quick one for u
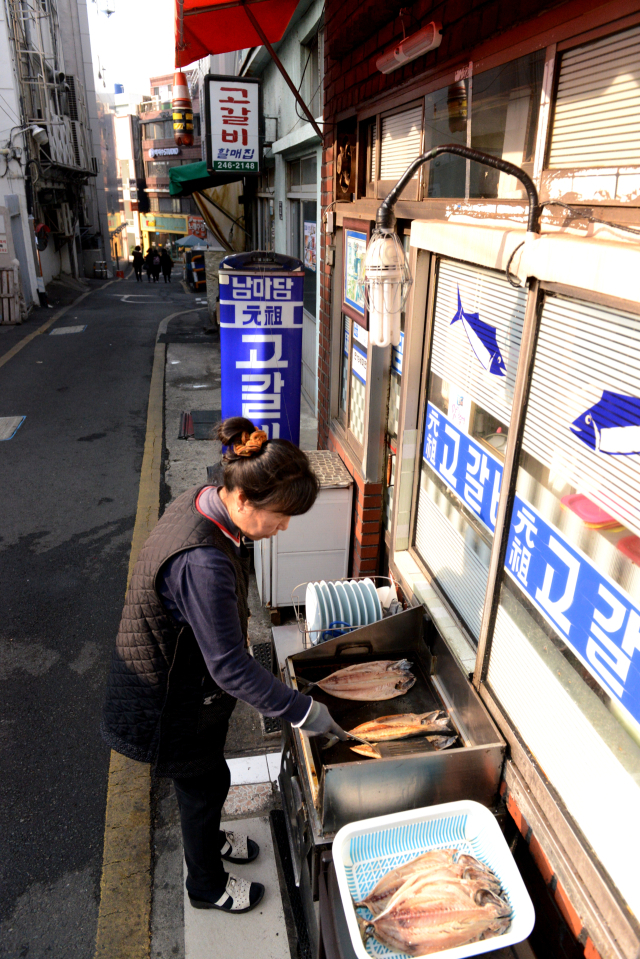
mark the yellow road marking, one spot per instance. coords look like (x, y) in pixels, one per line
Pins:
(45, 326)
(125, 886)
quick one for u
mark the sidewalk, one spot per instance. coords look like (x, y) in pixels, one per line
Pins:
(177, 930)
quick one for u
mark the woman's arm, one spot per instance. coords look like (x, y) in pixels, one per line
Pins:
(199, 588)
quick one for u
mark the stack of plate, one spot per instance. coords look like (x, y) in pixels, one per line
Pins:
(345, 603)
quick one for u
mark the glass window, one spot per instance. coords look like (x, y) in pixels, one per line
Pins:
(344, 365)
(358, 385)
(477, 326)
(445, 121)
(166, 205)
(504, 119)
(294, 173)
(303, 244)
(395, 382)
(154, 205)
(568, 624)
(308, 170)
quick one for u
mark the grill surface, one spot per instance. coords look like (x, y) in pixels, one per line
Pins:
(421, 698)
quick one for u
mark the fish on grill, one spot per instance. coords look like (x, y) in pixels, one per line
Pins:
(369, 682)
(435, 903)
(436, 864)
(403, 725)
(403, 747)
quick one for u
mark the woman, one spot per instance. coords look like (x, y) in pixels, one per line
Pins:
(181, 660)
(148, 263)
(166, 263)
(138, 263)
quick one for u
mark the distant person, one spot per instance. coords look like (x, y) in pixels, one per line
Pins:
(155, 263)
(138, 263)
(148, 263)
(166, 264)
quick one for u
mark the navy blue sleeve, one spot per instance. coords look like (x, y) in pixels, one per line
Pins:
(198, 587)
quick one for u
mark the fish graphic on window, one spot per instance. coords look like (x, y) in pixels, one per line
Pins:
(482, 338)
(612, 425)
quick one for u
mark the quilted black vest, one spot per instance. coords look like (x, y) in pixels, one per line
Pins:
(162, 705)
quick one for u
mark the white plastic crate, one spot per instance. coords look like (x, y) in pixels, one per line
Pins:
(363, 852)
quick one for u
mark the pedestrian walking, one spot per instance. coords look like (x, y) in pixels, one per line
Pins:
(166, 264)
(138, 263)
(155, 262)
(148, 263)
(181, 660)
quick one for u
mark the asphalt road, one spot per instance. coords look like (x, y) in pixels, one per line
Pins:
(69, 486)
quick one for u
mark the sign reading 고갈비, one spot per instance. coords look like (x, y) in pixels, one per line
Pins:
(233, 124)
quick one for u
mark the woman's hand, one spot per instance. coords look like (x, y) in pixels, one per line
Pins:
(320, 723)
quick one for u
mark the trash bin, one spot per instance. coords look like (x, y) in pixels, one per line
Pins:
(261, 297)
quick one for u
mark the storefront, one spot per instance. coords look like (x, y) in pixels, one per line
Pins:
(496, 449)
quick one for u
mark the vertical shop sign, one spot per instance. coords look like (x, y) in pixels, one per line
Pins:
(234, 124)
(261, 349)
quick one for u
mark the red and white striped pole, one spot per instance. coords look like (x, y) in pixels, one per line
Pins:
(182, 111)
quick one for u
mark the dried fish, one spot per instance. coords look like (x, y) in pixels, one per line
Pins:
(435, 864)
(437, 901)
(403, 747)
(403, 725)
(427, 915)
(370, 682)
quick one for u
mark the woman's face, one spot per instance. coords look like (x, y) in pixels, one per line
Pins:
(253, 522)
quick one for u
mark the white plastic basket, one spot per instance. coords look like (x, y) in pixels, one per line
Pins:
(363, 852)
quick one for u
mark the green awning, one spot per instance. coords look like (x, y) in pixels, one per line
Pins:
(188, 179)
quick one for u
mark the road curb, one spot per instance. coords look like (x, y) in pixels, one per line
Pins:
(124, 913)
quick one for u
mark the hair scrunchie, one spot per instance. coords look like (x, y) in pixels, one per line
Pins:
(250, 443)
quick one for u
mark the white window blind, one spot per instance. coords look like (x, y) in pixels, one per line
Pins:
(584, 350)
(597, 112)
(456, 556)
(452, 356)
(401, 142)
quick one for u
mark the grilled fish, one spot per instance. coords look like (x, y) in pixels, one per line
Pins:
(437, 864)
(392, 749)
(428, 914)
(370, 682)
(403, 725)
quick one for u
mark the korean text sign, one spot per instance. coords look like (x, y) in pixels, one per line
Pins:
(261, 350)
(593, 616)
(234, 122)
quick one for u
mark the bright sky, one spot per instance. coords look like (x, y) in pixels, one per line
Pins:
(134, 43)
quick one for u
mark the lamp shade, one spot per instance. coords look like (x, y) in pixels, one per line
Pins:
(387, 281)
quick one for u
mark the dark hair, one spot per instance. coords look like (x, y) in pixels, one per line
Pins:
(277, 476)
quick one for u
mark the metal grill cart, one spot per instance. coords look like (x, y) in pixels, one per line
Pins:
(324, 790)
(316, 545)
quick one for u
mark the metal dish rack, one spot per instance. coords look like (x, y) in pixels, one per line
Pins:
(314, 637)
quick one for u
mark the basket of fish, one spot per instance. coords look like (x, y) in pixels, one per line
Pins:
(434, 881)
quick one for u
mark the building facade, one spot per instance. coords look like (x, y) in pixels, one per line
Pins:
(487, 479)
(50, 142)
(167, 218)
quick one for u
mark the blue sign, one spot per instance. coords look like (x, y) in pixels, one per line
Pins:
(463, 465)
(592, 615)
(261, 350)
(482, 340)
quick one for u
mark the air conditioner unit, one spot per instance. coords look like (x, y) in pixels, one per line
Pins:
(428, 38)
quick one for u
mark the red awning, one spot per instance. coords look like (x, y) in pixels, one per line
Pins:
(220, 26)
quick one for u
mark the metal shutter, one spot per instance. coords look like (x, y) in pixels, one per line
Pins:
(401, 142)
(597, 113)
(584, 349)
(523, 673)
(454, 553)
(452, 357)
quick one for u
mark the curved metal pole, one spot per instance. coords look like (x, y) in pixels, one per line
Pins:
(385, 217)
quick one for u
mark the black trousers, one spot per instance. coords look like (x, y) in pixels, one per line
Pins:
(200, 800)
